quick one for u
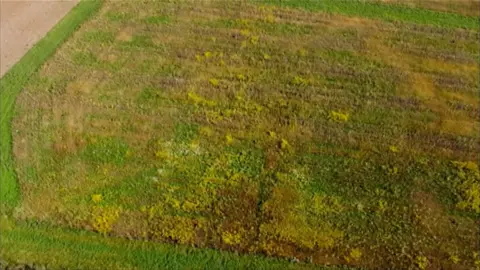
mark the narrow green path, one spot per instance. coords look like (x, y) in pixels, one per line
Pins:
(69, 249)
(383, 12)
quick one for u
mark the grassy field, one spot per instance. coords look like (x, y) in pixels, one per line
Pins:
(332, 132)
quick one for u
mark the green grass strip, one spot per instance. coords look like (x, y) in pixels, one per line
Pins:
(68, 249)
(15, 79)
(383, 11)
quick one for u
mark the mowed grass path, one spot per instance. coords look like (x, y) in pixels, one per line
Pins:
(260, 129)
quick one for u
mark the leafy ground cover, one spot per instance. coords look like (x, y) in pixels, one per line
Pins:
(277, 129)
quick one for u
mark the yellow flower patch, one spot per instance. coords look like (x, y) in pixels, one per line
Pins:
(96, 198)
(339, 116)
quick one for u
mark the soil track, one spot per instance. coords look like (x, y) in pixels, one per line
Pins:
(23, 23)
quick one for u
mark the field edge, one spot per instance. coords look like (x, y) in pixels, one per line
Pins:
(13, 81)
(60, 248)
(383, 11)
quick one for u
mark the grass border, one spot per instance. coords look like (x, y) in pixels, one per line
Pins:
(382, 11)
(13, 81)
(59, 248)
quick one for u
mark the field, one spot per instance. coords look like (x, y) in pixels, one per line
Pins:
(322, 132)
